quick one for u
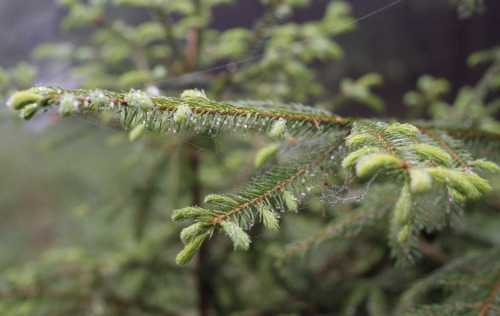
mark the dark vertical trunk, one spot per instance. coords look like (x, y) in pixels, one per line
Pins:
(202, 280)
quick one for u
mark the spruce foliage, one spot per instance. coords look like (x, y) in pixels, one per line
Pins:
(330, 197)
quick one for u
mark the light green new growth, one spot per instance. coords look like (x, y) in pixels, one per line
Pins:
(190, 212)
(240, 239)
(290, 201)
(182, 114)
(268, 218)
(404, 234)
(98, 99)
(403, 208)
(481, 186)
(278, 129)
(194, 95)
(28, 111)
(370, 164)
(264, 154)
(420, 156)
(351, 159)
(190, 233)
(21, 99)
(359, 140)
(139, 99)
(405, 129)
(68, 104)
(137, 132)
(454, 179)
(432, 153)
(190, 250)
(217, 199)
(420, 181)
(486, 165)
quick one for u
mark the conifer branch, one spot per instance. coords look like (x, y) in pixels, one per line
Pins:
(488, 305)
(297, 119)
(420, 157)
(447, 147)
(338, 227)
(281, 186)
(379, 136)
(473, 279)
(469, 133)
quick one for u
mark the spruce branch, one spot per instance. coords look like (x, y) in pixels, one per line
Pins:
(416, 157)
(448, 147)
(279, 187)
(161, 113)
(340, 226)
(236, 212)
(473, 280)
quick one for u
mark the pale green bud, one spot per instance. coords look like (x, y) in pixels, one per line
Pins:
(264, 154)
(137, 132)
(268, 218)
(452, 178)
(278, 129)
(139, 99)
(220, 200)
(182, 114)
(98, 99)
(351, 159)
(403, 208)
(240, 239)
(370, 164)
(456, 196)
(20, 99)
(190, 233)
(28, 111)
(189, 212)
(290, 201)
(190, 250)
(420, 181)
(404, 234)
(358, 140)
(486, 165)
(432, 153)
(68, 104)
(481, 186)
(194, 95)
(405, 129)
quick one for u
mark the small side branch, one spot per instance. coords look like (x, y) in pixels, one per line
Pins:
(386, 145)
(281, 186)
(337, 226)
(489, 302)
(431, 133)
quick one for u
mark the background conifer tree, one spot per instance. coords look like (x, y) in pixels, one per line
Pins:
(216, 191)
